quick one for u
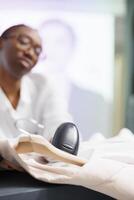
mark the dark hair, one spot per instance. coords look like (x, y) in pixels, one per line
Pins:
(12, 29)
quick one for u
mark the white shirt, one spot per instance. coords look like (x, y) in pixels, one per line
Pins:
(39, 100)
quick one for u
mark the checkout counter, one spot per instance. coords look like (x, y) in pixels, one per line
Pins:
(21, 186)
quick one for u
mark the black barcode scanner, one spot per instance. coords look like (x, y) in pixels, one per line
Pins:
(66, 138)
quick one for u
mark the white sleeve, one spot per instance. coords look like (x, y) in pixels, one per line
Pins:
(54, 110)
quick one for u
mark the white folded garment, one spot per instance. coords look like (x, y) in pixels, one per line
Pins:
(109, 169)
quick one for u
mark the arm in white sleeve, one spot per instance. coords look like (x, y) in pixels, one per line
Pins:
(54, 111)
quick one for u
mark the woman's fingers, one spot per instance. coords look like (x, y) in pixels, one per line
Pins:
(10, 166)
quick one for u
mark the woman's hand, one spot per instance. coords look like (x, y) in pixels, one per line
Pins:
(5, 164)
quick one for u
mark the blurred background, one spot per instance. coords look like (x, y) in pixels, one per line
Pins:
(88, 49)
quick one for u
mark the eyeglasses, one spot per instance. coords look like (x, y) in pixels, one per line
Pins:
(26, 43)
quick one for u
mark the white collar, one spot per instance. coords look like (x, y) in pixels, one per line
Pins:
(27, 91)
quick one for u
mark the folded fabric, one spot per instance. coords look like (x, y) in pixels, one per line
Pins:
(109, 169)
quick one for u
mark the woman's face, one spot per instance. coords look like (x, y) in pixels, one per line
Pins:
(19, 51)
